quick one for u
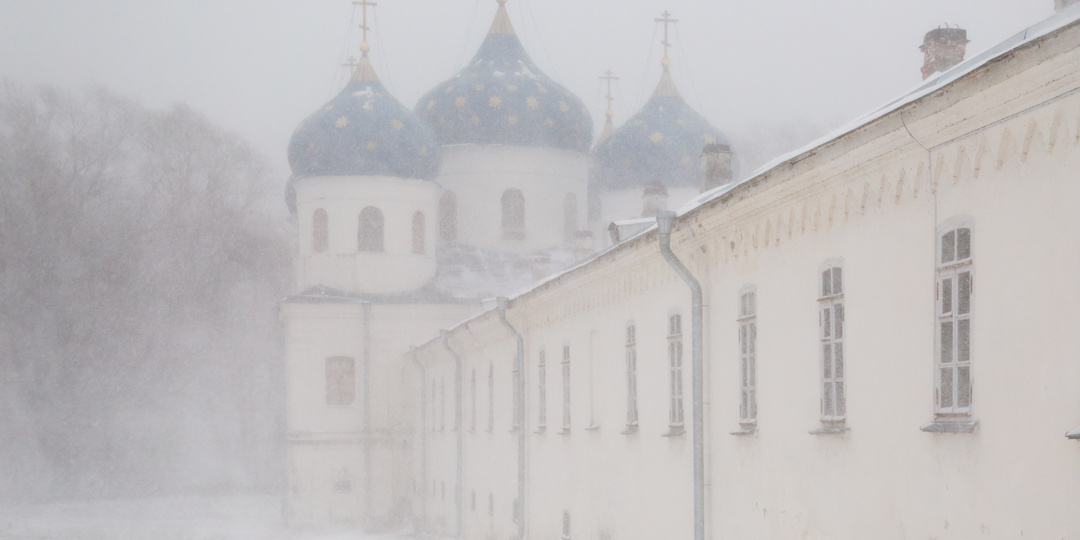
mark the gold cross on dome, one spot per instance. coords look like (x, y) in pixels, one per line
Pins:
(666, 19)
(608, 77)
(351, 63)
(364, 4)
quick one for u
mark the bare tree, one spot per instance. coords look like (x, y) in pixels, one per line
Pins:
(139, 273)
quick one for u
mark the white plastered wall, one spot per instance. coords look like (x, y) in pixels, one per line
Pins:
(479, 175)
(342, 266)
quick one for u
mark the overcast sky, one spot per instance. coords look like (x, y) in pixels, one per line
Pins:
(258, 67)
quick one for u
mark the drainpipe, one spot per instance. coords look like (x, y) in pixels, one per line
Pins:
(422, 525)
(519, 413)
(367, 415)
(457, 427)
(665, 222)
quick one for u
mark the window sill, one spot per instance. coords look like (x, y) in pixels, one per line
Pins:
(540, 430)
(564, 431)
(1074, 434)
(631, 429)
(745, 429)
(593, 427)
(674, 431)
(950, 426)
(830, 429)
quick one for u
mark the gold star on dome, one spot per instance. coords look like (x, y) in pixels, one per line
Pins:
(708, 138)
(328, 108)
(656, 137)
(479, 87)
(511, 87)
(423, 151)
(638, 122)
(680, 122)
(396, 124)
(513, 120)
(542, 89)
(311, 147)
(441, 121)
(341, 122)
(475, 120)
(549, 122)
(370, 146)
(449, 89)
(495, 101)
(563, 106)
(531, 102)
(459, 102)
(686, 160)
(431, 105)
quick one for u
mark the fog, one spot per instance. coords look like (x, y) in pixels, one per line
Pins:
(145, 240)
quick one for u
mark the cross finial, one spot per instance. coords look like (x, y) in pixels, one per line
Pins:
(608, 77)
(666, 19)
(365, 46)
(351, 63)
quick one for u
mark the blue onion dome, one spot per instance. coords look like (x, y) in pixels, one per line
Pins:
(363, 131)
(501, 97)
(660, 144)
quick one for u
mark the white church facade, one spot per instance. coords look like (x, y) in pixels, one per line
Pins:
(871, 337)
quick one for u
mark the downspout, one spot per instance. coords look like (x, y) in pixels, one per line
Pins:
(519, 413)
(367, 415)
(665, 222)
(459, 497)
(422, 524)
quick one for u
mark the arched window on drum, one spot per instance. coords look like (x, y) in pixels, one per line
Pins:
(513, 214)
(370, 236)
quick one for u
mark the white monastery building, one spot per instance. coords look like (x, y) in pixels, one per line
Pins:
(501, 329)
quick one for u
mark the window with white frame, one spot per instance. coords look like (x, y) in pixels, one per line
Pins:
(541, 391)
(831, 309)
(748, 357)
(566, 389)
(631, 378)
(491, 397)
(675, 361)
(954, 294)
(472, 401)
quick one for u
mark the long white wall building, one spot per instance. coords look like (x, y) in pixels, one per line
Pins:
(889, 343)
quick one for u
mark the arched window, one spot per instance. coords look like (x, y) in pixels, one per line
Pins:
(448, 217)
(418, 231)
(513, 214)
(570, 222)
(370, 237)
(320, 231)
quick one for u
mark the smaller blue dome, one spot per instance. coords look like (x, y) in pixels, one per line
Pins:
(661, 144)
(364, 131)
(501, 97)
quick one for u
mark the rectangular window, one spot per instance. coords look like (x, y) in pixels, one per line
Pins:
(675, 353)
(631, 378)
(748, 357)
(954, 291)
(491, 397)
(831, 317)
(472, 401)
(340, 380)
(566, 389)
(541, 391)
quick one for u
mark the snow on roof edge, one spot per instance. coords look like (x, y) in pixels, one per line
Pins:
(1042, 28)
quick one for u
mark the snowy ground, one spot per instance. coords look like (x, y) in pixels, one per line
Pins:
(167, 518)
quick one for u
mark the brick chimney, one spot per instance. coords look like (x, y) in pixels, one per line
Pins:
(943, 48)
(1062, 4)
(715, 166)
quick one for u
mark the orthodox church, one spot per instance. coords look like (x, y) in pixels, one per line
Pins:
(501, 329)
(408, 220)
